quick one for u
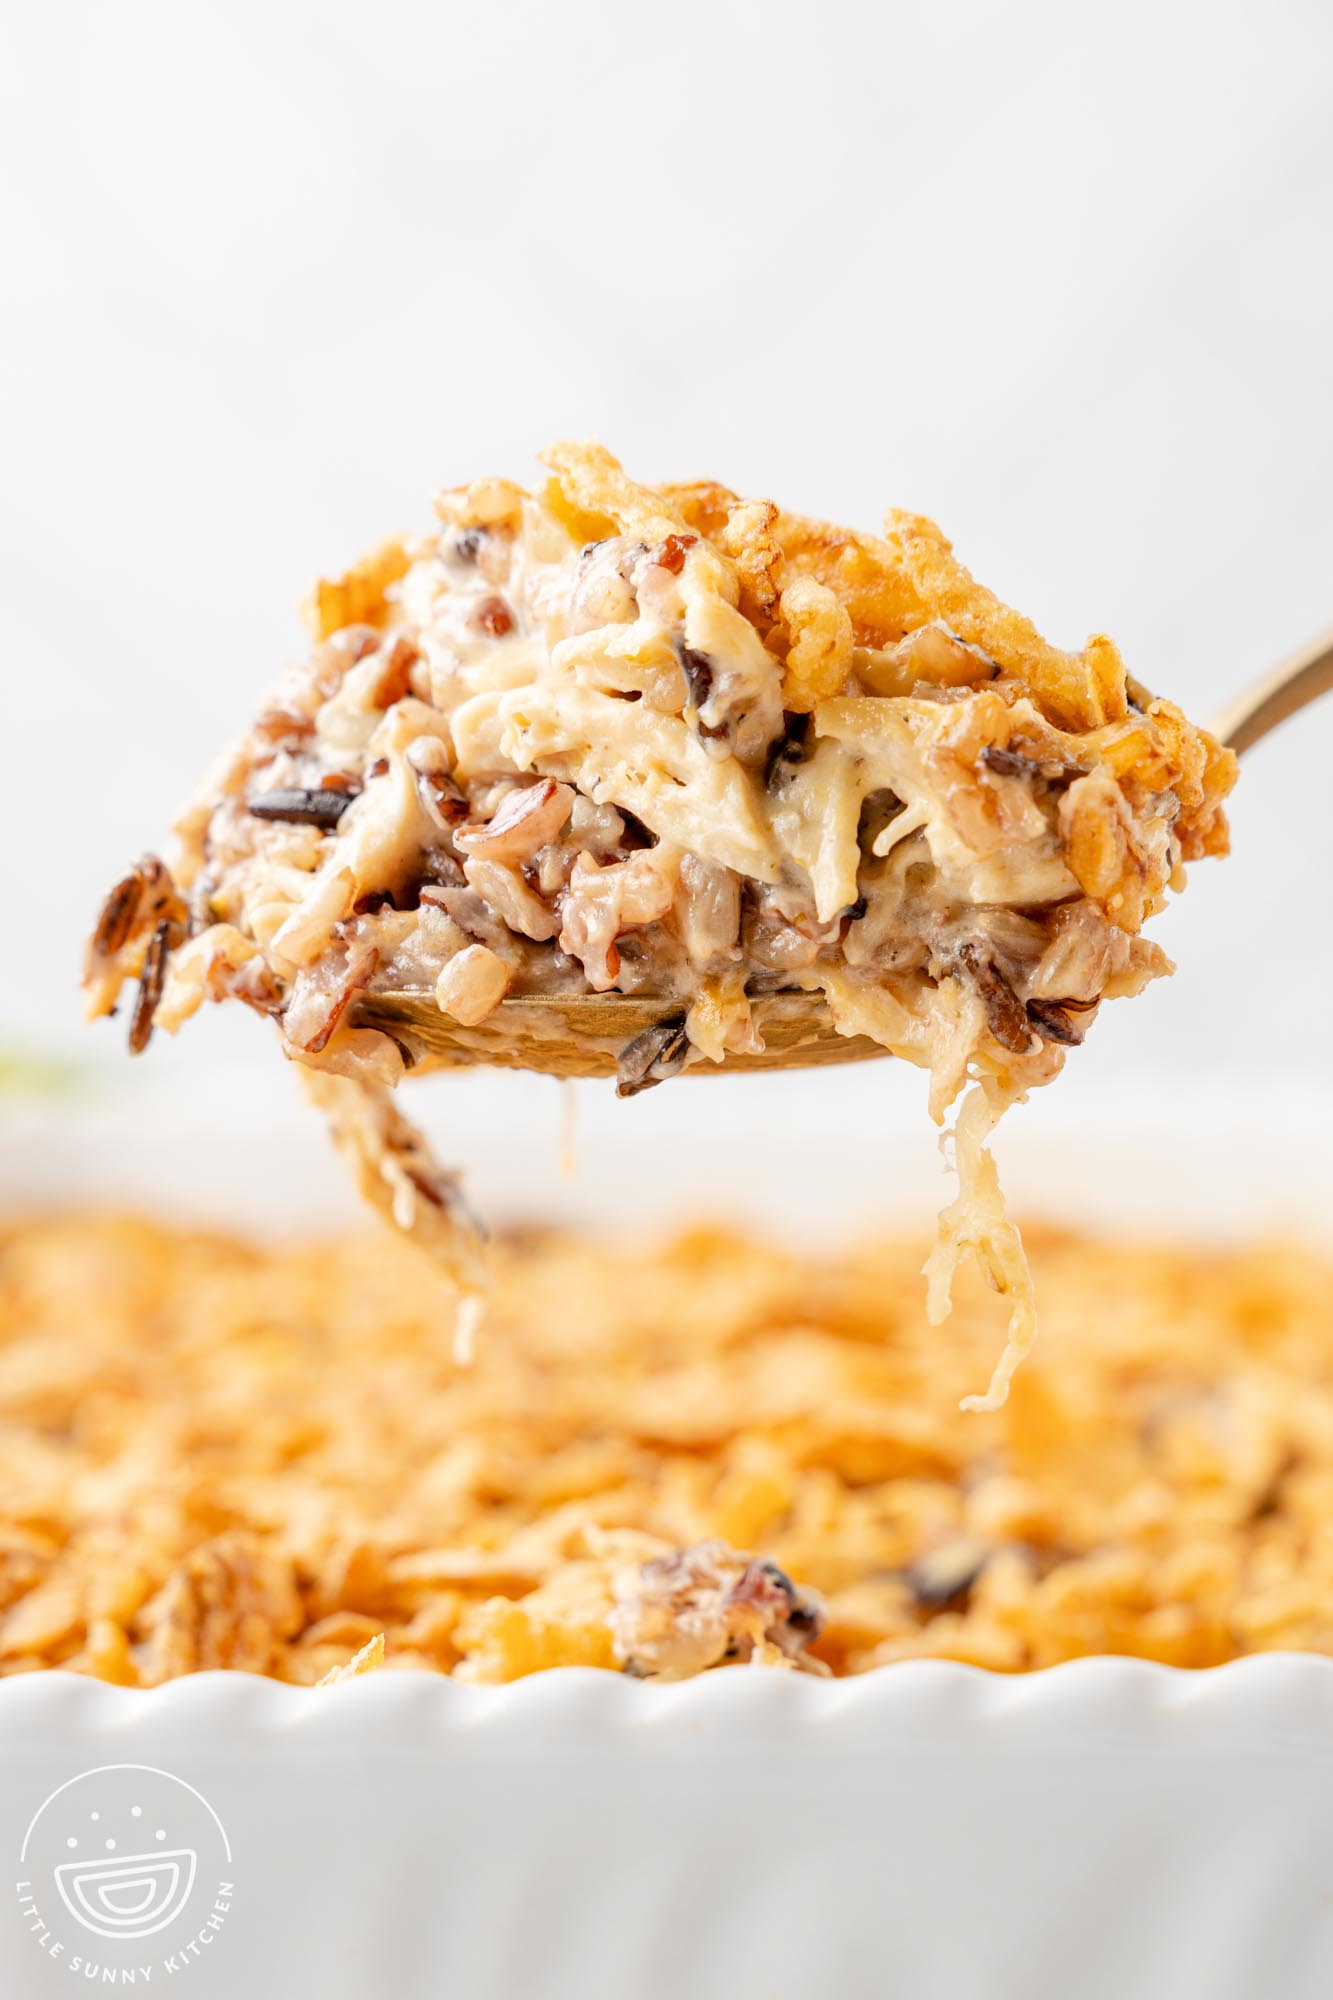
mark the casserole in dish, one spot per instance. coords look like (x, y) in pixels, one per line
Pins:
(1102, 1827)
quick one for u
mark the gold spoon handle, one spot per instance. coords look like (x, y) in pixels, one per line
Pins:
(1297, 682)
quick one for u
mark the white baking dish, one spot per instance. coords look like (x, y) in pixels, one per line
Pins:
(1102, 1831)
(1099, 1831)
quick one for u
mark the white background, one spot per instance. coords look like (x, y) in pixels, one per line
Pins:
(1060, 275)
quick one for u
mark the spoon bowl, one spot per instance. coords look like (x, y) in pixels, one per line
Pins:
(585, 1034)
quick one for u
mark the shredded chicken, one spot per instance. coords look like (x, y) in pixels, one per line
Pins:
(679, 1614)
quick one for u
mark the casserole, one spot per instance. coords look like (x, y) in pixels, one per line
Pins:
(1099, 1828)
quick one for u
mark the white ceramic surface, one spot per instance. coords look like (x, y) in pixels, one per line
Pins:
(1102, 1831)
(830, 1153)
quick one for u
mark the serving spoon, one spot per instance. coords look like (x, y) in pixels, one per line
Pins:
(586, 1034)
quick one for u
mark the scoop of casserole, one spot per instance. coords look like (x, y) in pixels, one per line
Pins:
(665, 742)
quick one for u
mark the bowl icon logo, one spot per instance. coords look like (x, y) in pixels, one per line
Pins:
(131, 1897)
(129, 1852)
